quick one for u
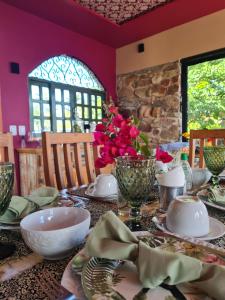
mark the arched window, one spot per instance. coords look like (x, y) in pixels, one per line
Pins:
(63, 90)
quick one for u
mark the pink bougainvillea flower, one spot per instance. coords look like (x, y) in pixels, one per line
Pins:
(117, 120)
(104, 120)
(163, 156)
(100, 163)
(113, 110)
(122, 151)
(131, 151)
(116, 136)
(100, 127)
(111, 128)
(122, 142)
(134, 132)
(124, 130)
(100, 138)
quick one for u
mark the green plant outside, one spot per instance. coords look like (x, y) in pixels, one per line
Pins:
(206, 95)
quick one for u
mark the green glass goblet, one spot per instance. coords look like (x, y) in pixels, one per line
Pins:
(135, 177)
(215, 161)
(6, 188)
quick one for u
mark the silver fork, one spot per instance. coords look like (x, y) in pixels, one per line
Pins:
(52, 288)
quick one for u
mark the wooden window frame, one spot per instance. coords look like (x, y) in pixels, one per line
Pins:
(185, 63)
(72, 103)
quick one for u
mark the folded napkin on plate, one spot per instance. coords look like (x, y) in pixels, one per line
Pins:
(19, 207)
(112, 239)
(43, 195)
(217, 195)
(173, 178)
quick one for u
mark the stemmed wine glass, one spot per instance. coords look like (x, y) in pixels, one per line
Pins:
(135, 177)
(6, 188)
(215, 161)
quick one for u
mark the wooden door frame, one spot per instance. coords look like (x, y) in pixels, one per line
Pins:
(185, 63)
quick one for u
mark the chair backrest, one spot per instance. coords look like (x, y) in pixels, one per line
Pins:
(203, 136)
(69, 159)
(6, 148)
(7, 153)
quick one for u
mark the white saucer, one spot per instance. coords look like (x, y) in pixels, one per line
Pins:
(216, 229)
(108, 198)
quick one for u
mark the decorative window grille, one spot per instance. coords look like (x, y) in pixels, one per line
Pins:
(62, 91)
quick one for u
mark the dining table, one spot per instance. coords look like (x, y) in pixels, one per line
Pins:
(19, 273)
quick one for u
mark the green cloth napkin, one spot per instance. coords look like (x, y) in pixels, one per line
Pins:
(19, 207)
(216, 195)
(112, 239)
(43, 195)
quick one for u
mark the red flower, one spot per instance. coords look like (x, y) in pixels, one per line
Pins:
(163, 156)
(117, 120)
(100, 127)
(125, 130)
(113, 110)
(116, 136)
(111, 128)
(100, 138)
(131, 151)
(100, 163)
(134, 132)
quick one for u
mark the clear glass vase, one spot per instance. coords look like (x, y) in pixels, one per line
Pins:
(135, 177)
(6, 185)
(6, 188)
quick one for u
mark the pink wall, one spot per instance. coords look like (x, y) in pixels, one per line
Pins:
(29, 40)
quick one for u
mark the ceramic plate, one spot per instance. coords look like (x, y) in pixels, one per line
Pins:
(120, 279)
(203, 196)
(9, 227)
(5, 222)
(102, 198)
(216, 229)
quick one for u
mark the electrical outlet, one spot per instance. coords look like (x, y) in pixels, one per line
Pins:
(22, 130)
(13, 129)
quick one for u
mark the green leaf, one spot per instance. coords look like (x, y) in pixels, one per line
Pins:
(144, 138)
(136, 121)
(137, 145)
(145, 150)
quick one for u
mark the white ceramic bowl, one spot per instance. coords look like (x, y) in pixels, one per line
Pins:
(188, 216)
(55, 232)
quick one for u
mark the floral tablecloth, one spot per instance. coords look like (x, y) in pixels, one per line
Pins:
(24, 266)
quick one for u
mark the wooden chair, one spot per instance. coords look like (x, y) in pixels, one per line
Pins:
(7, 152)
(6, 148)
(69, 159)
(204, 135)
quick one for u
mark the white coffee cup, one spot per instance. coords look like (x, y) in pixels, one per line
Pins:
(174, 177)
(105, 185)
(188, 216)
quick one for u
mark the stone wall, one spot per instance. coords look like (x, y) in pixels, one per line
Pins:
(154, 96)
